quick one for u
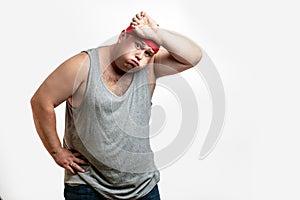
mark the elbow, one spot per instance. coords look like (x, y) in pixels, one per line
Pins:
(41, 106)
(198, 57)
(195, 58)
(34, 107)
(33, 102)
(37, 102)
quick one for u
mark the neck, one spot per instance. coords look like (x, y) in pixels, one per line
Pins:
(116, 69)
(112, 61)
(108, 64)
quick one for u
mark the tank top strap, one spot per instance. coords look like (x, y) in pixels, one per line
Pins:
(94, 71)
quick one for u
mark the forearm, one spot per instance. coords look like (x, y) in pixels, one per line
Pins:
(181, 48)
(45, 123)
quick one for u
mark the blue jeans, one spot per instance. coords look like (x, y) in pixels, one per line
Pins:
(86, 192)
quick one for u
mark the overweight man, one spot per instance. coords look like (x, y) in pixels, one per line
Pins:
(107, 90)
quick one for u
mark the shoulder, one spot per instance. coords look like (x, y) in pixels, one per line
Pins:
(81, 59)
(78, 64)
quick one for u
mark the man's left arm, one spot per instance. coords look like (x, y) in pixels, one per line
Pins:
(177, 53)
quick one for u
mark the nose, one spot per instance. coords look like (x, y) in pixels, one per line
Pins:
(139, 54)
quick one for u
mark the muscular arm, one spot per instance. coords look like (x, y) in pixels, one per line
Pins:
(178, 53)
(58, 87)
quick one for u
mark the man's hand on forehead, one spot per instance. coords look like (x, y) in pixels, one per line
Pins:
(145, 27)
(143, 20)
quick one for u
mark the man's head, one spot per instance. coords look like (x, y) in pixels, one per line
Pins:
(150, 43)
(133, 53)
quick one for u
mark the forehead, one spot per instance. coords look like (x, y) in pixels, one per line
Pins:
(142, 42)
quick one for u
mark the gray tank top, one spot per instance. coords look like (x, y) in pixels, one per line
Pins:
(112, 133)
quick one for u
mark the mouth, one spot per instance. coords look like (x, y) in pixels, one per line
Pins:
(134, 63)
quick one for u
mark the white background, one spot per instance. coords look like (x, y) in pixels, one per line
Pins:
(254, 45)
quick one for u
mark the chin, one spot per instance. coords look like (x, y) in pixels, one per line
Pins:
(136, 69)
(131, 69)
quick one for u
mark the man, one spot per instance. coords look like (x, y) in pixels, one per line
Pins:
(106, 152)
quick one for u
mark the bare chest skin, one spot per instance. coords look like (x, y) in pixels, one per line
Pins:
(117, 85)
(121, 85)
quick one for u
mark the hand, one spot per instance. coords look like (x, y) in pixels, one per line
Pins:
(69, 160)
(144, 26)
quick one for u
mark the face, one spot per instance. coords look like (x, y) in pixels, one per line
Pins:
(132, 53)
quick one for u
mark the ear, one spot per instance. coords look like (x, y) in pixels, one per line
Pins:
(122, 36)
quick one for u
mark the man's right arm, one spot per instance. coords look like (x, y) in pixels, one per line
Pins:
(60, 85)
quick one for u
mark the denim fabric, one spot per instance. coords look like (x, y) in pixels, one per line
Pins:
(152, 195)
(86, 192)
(81, 192)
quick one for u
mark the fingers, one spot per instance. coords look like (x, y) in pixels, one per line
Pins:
(76, 162)
(70, 169)
(136, 20)
(81, 162)
(70, 160)
(143, 20)
(76, 154)
(134, 24)
(138, 17)
(143, 13)
(74, 166)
